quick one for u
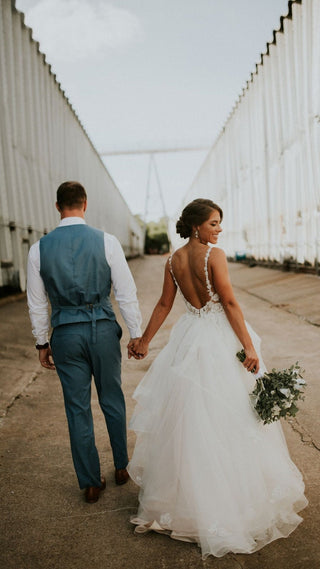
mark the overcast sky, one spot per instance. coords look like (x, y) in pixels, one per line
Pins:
(153, 74)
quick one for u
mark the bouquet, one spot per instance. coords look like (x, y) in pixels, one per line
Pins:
(276, 393)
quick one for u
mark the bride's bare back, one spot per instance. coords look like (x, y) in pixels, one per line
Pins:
(188, 268)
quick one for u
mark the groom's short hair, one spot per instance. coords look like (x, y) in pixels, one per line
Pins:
(71, 195)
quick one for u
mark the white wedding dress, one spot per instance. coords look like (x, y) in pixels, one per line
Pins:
(209, 470)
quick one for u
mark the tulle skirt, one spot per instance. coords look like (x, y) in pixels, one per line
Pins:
(209, 471)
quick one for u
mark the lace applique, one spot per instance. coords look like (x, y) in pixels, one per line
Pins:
(210, 307)
(213, 304)
(172, 273)
(213, 296)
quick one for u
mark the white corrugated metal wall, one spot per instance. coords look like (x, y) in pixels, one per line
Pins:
(42, 143)
(264, 168)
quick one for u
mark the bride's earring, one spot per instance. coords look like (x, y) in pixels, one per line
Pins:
(196, 234)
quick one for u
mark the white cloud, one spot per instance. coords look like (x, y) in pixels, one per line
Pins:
(71, 30)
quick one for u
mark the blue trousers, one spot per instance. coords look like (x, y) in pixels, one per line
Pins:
(77, 358)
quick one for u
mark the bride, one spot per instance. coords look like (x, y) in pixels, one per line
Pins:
(209, 471)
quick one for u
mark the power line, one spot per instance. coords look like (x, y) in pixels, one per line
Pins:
(153, 166)
(153, 151)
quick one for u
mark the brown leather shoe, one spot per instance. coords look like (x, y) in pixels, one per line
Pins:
(92, 493)
(121, 476)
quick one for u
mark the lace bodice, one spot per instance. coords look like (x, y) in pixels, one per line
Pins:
(213, 304)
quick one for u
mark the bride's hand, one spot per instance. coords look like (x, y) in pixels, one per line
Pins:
(131, 347)
(138, 348)
(252, 361)
(141, 349)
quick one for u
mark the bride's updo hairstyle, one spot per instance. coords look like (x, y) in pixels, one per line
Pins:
(195, 213)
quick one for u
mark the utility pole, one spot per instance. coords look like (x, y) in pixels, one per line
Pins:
(153, 168)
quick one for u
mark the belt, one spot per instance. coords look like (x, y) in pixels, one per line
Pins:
(88, 306)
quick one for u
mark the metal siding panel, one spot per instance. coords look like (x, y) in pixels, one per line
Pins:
(42, 143)
(264, 167)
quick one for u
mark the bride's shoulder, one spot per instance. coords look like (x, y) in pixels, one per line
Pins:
(178, 253)
(172, 258)
(179, 250)
(217, 253)
(217, 257)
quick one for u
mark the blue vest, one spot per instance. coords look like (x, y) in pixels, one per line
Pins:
(76, 275)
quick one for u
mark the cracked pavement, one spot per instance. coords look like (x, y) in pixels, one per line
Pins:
(45, 523)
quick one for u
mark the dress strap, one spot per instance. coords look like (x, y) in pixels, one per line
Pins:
(171, 270)
(208, 283)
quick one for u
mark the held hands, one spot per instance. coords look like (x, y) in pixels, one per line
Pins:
(137, 348)
(45, 358)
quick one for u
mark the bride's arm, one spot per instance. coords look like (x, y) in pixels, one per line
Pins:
(222, 285)
(159, 314)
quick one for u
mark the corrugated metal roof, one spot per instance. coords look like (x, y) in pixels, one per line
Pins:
(53, 75)
(288, 16)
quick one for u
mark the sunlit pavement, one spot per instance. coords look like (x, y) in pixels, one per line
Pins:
(45, 522)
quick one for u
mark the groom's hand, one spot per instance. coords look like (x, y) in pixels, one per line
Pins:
(132, 348)
(137, 348)
(45, 358)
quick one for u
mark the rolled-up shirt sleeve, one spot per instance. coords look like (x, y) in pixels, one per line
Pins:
(37, 297)
(124, 287)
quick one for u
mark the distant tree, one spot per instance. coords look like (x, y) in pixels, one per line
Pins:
(156, 239)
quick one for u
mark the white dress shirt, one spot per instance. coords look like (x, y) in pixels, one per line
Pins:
(123, 285)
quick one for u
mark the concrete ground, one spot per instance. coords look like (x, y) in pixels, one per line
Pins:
(44, 521)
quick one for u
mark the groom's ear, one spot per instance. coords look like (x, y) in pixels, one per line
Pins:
(58, 208)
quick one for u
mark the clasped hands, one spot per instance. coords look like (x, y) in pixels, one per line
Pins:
(137, 348)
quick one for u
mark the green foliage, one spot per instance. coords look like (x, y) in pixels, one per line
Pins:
(156, 240)
(276, 393)
(155, 228)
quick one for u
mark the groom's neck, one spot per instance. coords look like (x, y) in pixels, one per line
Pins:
(76, 210)
(72, 213)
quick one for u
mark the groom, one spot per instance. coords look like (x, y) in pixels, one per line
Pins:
(74, 266)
